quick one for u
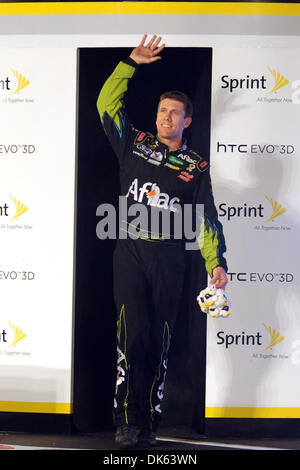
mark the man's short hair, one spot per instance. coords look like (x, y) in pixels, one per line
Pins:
(179, 96)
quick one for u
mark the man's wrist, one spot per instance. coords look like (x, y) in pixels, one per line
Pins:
(219, 266)
(130, 61)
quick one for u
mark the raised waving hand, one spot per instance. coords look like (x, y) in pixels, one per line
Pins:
(147, 53)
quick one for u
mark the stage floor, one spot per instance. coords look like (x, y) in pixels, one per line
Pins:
(167, 440)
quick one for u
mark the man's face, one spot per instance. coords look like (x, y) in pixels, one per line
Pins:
(171, 120)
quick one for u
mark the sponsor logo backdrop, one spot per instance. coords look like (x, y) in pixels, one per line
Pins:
(253, 356)
(37, 187)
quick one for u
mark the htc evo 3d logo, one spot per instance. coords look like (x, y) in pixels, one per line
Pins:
(255, 83)
(14, 82)
(256, 149)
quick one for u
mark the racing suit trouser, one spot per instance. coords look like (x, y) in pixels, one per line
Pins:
(148, 283)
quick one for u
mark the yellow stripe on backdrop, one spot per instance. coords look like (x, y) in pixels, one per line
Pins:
(36, 407)
(251, 412)
(149, 8)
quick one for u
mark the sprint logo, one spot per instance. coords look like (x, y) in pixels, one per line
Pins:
(12, 336)
(276, 208)
(20, 208)
(19, 335)
(14, 82)
(13, 212)
(249, 82)
(249, 211)
(280, 80)
(22, 81)
(275, 337)
(256, 339)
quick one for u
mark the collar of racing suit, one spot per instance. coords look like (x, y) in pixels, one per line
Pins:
(165, 146)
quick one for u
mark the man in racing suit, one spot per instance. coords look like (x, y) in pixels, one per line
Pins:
(159, 173)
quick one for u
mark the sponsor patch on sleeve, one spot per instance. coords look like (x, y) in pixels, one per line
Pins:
(202, 165)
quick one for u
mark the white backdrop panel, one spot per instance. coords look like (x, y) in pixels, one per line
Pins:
(37, 171)
(255, 171)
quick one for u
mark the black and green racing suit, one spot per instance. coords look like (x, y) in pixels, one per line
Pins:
(149, 264)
